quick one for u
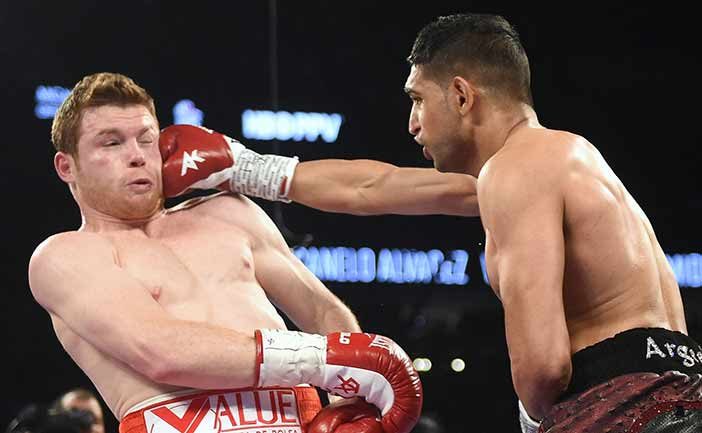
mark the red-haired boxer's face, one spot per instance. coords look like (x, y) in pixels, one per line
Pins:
(435, 124)
(118, 170)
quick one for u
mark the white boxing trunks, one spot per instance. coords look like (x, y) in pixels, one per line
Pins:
(248, 410)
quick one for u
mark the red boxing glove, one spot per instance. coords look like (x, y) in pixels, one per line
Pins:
(345, 364)
(198, 158)
(347, 416)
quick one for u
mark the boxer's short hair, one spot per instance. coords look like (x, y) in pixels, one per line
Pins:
(104, 88)
(482, 47)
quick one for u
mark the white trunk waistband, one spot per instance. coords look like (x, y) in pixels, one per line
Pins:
(237, 411)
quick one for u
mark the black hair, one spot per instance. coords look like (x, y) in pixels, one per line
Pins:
(482, 47)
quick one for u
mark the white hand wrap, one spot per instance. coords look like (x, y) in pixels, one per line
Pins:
(291, 358)
(527, 423)
(261, 175)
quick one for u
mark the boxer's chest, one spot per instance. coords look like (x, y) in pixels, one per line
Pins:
(193, 265)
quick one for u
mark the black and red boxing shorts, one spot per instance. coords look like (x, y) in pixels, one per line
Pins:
(644, 380)
(269, 410)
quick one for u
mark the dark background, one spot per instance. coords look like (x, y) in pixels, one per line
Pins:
(628, 79)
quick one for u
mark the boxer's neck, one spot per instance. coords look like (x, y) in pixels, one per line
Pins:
(93, 220)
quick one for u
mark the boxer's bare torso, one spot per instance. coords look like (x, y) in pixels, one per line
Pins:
(616, 276)
(198, 262)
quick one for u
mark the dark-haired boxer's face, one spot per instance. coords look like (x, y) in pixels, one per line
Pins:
(434, 124)
(119, 164)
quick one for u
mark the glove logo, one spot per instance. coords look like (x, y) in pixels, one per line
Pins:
(349, 386)
(189, 161)
(381, 342)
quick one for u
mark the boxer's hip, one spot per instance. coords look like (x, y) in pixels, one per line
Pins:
(638, 350)
(275, 410)
(628, 381)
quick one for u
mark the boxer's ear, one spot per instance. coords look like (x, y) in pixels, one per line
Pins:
(65, 165)
(462, 94)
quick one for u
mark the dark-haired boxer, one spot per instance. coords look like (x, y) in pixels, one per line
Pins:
(585, 285)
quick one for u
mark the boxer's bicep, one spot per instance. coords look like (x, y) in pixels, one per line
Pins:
(77, 280)
(523, 211)
(530, 266)
(300, 294)
(291, 286)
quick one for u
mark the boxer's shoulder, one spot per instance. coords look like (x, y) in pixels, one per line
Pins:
(225, 207)
(77, 247)
(76, 243)
(62, 254)
(534, 152)
(210, 203)
(534, 165)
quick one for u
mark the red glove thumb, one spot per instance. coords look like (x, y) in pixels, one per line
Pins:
(363, 425)
(347, 416)
(167, 142)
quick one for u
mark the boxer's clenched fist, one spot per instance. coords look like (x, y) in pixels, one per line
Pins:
(346, 364)
(198, 158)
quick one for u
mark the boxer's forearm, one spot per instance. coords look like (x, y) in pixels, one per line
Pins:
(337, 319)
(198, 355)
(336, 185)
(366, 187)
